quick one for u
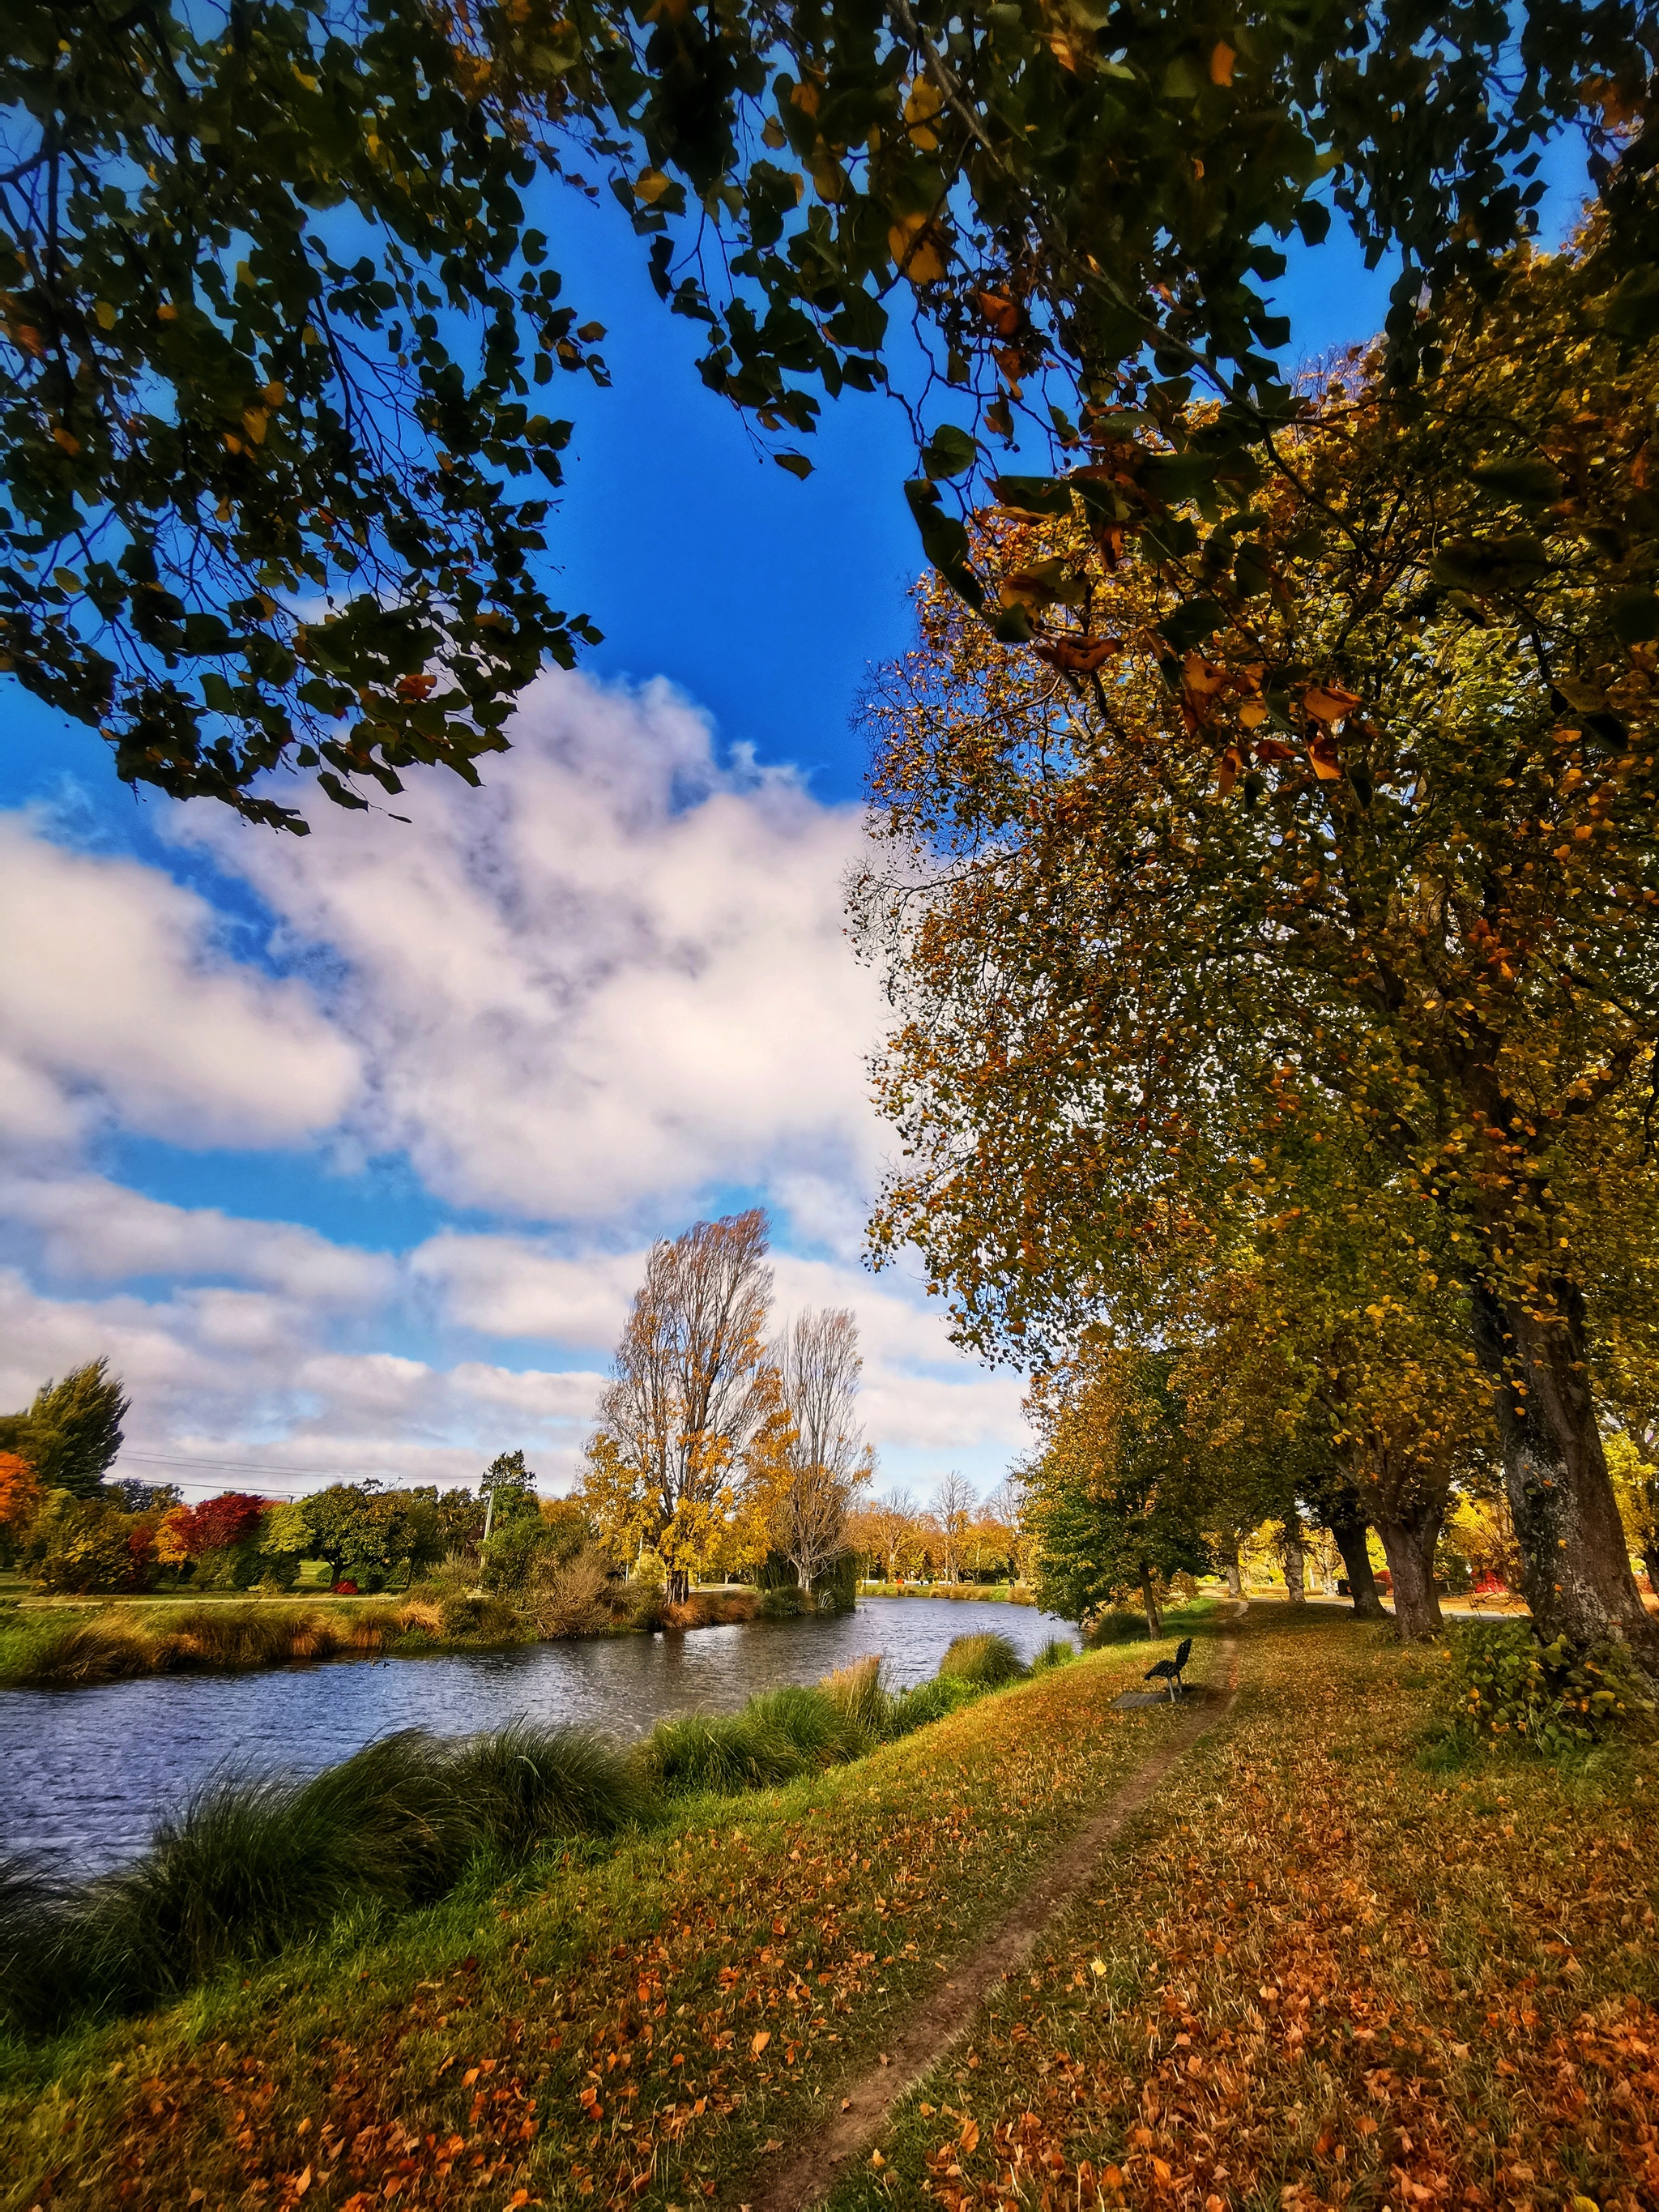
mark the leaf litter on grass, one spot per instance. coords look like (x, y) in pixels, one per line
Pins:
(1331, 1981)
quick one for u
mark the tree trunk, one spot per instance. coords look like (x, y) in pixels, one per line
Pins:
(1293, 1560)
(1651, 1561)
(1235, 1579)
(1350, 1537)
(1410, 1547)
(1149, 1599)
(1574, 1557)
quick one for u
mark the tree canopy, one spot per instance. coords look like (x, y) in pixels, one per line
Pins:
(1349, 901)
(282, 316)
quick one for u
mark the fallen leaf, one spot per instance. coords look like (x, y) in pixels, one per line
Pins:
(761, 2041)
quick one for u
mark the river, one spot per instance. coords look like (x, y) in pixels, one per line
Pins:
(88, 1772)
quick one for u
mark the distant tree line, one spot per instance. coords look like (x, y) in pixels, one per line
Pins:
(72, 1527)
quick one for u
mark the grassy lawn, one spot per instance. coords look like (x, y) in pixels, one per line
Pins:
(1317, 1972)
(1326, 1974)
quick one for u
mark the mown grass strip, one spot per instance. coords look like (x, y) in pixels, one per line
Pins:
(630, 2026)
(1325, 1974)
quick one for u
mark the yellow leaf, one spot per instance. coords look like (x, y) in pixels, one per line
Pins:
(105, 314)
(1202, 676)
(922, 103)
(1253, 713)
(650, 186)
(919, 246)
(1328, 702)
(761, 2041)
(969, 2135)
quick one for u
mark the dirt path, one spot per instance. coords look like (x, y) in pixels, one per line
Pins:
(805, 2174)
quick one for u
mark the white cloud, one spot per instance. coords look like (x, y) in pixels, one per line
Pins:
(114, 1001)
(598, 996)
(512, 1287)
(615, 976)
(95, 1230)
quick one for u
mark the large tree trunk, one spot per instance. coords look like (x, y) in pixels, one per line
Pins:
(1410, 1545)
(1292, 1558)
(1226, 1551)
(1575, 1556)
(1350, 1535)
(1149, 1599)
(1651, 1561)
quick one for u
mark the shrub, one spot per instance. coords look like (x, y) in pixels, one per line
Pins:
(988, 1660)
(1509, 1685)
(1054, 1653)
(1116, 1625)
(571, 1597)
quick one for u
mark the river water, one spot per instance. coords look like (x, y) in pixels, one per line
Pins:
(86, 1774)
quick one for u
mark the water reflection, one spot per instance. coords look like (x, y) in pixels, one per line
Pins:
(88, 1772)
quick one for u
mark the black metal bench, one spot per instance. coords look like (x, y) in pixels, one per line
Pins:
(1170, 1670)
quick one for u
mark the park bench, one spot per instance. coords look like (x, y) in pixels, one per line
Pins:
(1170, 1670)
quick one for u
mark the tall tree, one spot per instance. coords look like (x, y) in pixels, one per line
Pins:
(691, 1391)
(1115, 1494)
(1368, 842)
(955, 1503)
(71, 1433)
(818, 1365)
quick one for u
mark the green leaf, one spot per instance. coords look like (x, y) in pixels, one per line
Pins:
(950, 451)
(797, 463)
(1633, 617)
(1524, 483)
(1039, 497)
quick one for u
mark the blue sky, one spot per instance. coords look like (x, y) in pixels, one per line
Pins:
(347, 1150)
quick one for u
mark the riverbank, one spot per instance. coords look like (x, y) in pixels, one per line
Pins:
(980, 1593)
(57, 1645)
(1311, 1964)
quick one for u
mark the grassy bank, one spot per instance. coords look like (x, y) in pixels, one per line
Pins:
(1340, 1967)
(666, 2001)
(63, 1647)
(963, 1592)
(1315, 1972)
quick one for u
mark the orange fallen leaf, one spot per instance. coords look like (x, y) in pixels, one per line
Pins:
(762, 2039)
(1222, 57)
(969, 2135)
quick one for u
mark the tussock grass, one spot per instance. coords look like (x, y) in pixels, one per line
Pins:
(859, 1692)
(1054, 1653)
(988, 1660)
(252, 1865)
(724, 1753)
